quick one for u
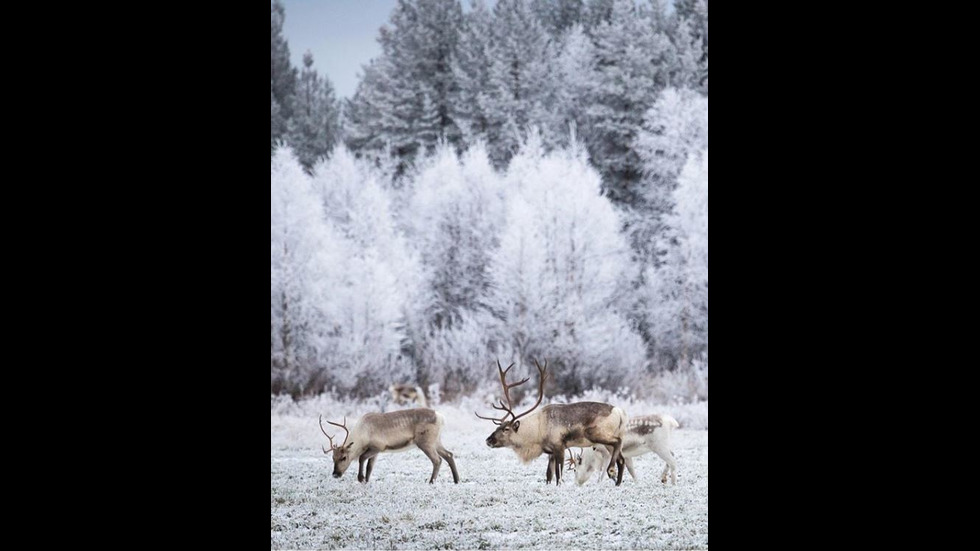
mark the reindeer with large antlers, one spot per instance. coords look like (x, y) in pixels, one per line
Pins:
(395, 431)
(556, 427)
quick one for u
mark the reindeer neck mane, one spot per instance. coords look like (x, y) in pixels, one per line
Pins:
(529, 447)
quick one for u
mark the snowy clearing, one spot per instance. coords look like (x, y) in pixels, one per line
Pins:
(499, 503)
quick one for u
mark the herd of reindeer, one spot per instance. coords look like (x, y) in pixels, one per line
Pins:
(603, 431)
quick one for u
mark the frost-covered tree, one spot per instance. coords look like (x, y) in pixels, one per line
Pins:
(381, 274)
(675, 126)
(314, 128)
(406, 97)
(457, 211)
(678, 289)
(374, 125)
(555, 274)
(701, 10)
(471, 67)
(557, 16)
(307, 259)
(597, 12)
(457, 208)
(574, 74)
(691, 38)
(341, 279)
(278, 122)
(520, 87)
(688, 69)
(283, 73)
(625, 86)
(359, 205)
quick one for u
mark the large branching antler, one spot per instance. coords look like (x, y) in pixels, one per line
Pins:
(502, 407)
(508, 408)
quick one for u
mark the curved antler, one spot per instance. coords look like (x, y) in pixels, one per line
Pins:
(344, 426)
(502, 407)
(508, 408)
(544, 376)
(327, 435)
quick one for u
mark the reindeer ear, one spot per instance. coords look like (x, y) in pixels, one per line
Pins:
(349, 446)
(516, 425)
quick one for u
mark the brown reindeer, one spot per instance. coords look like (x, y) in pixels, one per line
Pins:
(556, 427)
(395, 431)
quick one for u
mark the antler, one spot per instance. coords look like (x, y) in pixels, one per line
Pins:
(344, 426)
(571, 459)
(544, 377)
(508, 408)
(330, 438)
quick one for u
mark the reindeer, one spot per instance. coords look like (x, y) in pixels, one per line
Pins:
(644, 434)
(407, 394)
(395, 431)
(556, 427)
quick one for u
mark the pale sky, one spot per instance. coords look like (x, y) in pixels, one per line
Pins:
(340, 33)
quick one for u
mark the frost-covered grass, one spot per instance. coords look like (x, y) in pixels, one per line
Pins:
(499, 503)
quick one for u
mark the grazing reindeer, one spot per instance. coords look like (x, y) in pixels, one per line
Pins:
(644, 434)
(390, 432)
(556, 427)
(408, 394)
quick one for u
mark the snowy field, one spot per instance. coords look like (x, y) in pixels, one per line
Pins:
(499, 502)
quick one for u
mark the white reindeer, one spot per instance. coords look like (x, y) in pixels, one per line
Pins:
(395, 431)
(644, 434)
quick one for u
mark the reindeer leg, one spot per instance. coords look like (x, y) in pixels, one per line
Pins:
(629, 466)
(436, 462)
(551, 467)
(370, 467)
(448, 456)
(673, 470)
(617, 451)
(366, 457)
(671, 466)
(559, 456)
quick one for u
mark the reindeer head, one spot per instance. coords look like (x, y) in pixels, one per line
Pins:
(506, 429)
(342, 457)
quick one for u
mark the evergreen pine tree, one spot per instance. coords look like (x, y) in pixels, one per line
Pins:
(314, 127)
(283, 73)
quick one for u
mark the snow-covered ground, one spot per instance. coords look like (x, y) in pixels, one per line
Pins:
(499, 502)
